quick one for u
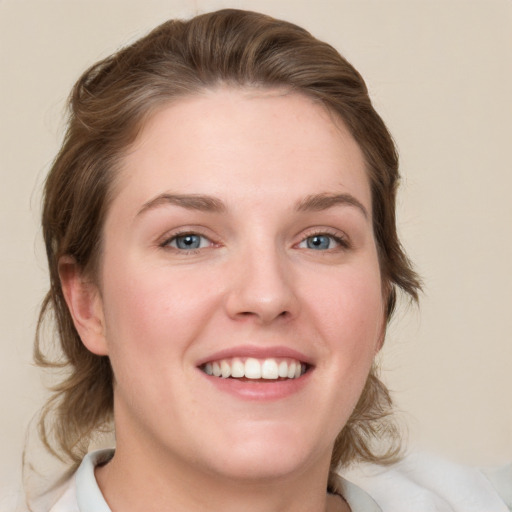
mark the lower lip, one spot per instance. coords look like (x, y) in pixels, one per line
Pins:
(261, 390)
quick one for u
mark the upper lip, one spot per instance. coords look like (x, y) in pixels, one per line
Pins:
(257, 352)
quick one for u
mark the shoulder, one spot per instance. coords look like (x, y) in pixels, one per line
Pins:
(426, 483)
(501, 479)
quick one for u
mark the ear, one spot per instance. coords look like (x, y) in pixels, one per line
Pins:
(381, 338)
(85, 305)
(382, 333)
(388, 304)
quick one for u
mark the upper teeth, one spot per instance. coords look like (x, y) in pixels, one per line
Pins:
(253, 368)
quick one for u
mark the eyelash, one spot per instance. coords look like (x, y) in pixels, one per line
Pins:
(341, 241)
(166, 244)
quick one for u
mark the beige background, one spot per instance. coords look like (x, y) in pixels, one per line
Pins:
(439, 73)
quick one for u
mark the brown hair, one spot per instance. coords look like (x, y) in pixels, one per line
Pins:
(108, 106)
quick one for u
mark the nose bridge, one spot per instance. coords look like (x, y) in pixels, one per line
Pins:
(262, 285)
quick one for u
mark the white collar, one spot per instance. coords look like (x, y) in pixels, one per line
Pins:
(88, 494)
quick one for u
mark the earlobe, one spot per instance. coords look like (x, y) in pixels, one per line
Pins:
(85, 305)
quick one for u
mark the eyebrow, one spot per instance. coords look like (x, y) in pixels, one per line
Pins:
(319, 202)
(189, 201)
(205, 203)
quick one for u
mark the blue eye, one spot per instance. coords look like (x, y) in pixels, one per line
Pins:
(321, 242)
(189, 241)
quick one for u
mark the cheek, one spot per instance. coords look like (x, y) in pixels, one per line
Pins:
(350, 310)
(151, 321)
(154, 310)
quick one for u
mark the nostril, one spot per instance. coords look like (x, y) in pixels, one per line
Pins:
(253, 314)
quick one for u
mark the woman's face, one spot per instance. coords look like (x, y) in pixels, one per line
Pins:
(239, 241)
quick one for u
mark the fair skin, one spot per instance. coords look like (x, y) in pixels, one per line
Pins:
(240, 229)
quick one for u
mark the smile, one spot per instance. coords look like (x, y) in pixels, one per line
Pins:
(255, 369)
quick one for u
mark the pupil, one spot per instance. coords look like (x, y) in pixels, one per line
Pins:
(318, 242)
(188, 242)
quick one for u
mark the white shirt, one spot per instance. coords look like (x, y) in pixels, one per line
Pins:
(425, 483)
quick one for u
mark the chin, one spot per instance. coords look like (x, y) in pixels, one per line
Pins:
(270, 454)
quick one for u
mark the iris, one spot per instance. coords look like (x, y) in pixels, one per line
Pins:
(319, 242)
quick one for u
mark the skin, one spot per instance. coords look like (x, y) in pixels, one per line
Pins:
(255, 281)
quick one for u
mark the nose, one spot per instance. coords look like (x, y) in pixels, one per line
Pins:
(262, 288)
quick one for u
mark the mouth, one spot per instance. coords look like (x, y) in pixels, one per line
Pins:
(254, 369)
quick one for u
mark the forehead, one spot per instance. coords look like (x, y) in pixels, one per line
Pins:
(267, 139)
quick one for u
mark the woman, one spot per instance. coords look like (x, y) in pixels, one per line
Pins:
(220, 232)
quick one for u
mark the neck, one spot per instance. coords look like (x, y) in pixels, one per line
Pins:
(134, 474)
